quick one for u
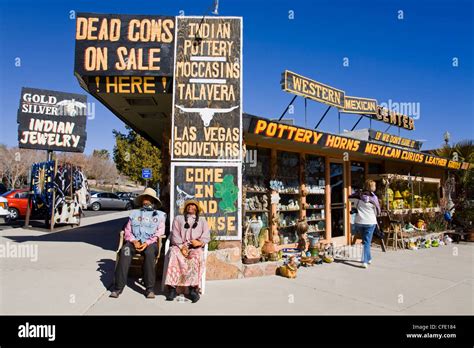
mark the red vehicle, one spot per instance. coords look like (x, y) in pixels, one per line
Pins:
(17, 203)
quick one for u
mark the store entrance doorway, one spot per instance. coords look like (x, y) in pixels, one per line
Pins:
(337, 181)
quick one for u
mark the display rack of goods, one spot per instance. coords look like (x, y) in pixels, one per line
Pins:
(314, 194)
(287, 185)
(256, 193)
(402, 194)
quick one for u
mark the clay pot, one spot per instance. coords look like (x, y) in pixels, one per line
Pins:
(269, 247)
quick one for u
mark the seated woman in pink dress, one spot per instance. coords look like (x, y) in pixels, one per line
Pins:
(189, 235)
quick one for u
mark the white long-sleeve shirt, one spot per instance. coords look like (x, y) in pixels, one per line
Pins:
(366, 212)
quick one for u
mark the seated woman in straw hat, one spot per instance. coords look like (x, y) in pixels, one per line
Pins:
(142, 230)
(189, 234)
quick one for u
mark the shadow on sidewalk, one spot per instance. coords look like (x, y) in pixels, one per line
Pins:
(355, 264)
(106, 268)
(104, 235)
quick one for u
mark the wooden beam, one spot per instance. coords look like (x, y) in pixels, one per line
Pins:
(327, 204)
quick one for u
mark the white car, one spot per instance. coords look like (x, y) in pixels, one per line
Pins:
(4, 213)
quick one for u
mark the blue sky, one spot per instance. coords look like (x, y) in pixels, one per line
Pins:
(407, 60)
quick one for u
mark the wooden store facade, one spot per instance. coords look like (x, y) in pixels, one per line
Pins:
(309, 174)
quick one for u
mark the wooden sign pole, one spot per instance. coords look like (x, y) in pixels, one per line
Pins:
(28, 210)
(51, 226)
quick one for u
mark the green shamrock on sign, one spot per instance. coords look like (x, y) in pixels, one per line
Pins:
(228, 192)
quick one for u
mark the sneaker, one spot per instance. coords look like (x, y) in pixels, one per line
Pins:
(365, 265)
(194, 295)
(150, 294)
(115, 293)
(369, 262)
(171, 294)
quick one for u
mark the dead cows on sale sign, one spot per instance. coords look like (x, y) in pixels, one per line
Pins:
(124, 44)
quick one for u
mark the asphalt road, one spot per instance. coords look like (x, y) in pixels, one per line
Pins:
(40, 226)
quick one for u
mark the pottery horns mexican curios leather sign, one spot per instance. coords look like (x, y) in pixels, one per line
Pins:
(51, 120)
(207, 106)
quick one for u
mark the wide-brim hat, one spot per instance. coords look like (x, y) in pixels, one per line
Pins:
(192, 201)
(149, 192)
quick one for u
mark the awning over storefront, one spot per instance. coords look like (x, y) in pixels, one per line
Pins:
(258, 129)
(149, 114)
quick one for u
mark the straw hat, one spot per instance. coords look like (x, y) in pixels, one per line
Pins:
(192, 201)
(149, 192)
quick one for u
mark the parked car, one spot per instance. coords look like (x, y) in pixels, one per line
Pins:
(128, 196)
(17, 203)
(4, 213)
(108, 200)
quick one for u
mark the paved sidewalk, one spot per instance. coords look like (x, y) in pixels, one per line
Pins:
(74, 270)
(73, 267)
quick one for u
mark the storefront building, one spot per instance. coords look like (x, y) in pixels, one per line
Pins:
(145, 69)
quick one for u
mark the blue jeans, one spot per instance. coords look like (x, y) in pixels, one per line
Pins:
(367, 232)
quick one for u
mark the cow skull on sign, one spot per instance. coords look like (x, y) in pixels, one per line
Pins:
(70, 107)
(207, 113)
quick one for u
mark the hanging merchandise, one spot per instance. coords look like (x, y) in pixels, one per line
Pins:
(72, 194)
(42, 186)
(69, 212)
(64, 189)
(81, 188)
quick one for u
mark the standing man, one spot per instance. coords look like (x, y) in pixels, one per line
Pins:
(142, 230)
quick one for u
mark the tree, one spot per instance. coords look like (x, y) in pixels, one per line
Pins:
(132, 152)
(15, 164)
(464, 178)
(103, 153)
(102, 169)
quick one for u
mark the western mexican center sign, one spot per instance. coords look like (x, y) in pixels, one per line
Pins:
(216, 187)
(207, 105)
(311, 89)
(117, 44)
(317, 91)
(51, 120)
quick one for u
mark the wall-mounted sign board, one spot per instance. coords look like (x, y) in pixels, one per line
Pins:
(207, 105)
(271, 129)
(393, 139)
(217, 187)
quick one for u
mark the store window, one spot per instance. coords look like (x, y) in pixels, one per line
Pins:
(256, 178)
(315, 198)
(357, 176)
(375, 168)
(288, 167)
